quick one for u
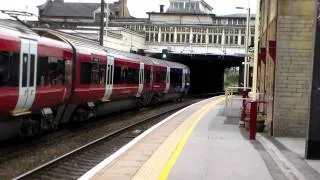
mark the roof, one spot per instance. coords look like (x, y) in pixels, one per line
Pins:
(72, 9)
(237, 15)
(178, 13)
(194, 10)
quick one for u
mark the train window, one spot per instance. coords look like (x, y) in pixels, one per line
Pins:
(9, 69)
(187, 78)
(133, 76)
(161, 77)
(117, 75)
(147, 76)
(95, 73)
(176, 76)
(85, 73)
(32, 63)
(102, 74)
(50, 71)
(25, 70)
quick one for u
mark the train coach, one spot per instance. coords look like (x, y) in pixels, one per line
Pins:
(49, 78)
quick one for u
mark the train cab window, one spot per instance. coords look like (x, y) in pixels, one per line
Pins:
(147, 76)
(50, 71)
(9, 69)
(176, 76)
(161, 77)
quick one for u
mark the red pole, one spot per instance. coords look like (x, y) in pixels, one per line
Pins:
(253, 120)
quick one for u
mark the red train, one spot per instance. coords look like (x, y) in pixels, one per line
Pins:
(48, 78)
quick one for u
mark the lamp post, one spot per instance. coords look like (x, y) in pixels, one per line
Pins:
(247, 39)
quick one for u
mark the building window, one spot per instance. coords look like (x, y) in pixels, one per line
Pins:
(9, 69)
(197, 6)
(236, 40)
(147, 37)
(172, 38)
(226, 40)
(162, 37)
(252, 40)
(181, 6)
(188, 38)
(203, 38)
(215, 39)
(167, 37)
(183, 38)
(151, 37)
(242, 40)
(194, 38)
(243, 31)
(156, 38)
(187, 6)
(199, 38)
(178, 38)
(231, 39)
(210, 39)
(219, 39)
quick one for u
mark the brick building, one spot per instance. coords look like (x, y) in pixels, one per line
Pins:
(285, 63)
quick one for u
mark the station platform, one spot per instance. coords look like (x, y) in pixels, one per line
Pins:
(201, 141)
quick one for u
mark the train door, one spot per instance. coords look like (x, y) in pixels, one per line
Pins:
(167, 80)
(141, 79)
(109, 78)
(28, 72)
(184, 71)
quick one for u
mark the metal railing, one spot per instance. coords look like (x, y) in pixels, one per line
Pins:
(233, 93)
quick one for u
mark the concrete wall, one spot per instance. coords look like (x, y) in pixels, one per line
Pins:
(286, 79)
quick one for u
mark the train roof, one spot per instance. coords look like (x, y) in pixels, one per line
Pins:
(16, 29)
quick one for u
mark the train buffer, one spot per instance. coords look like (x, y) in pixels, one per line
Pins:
(201, 141)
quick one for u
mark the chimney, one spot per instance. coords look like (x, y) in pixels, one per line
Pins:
(124, 12)
(161, 8)
(59, 1)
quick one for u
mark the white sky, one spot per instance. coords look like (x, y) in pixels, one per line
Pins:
(137, 8)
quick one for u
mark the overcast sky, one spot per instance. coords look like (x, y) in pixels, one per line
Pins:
(137, 8)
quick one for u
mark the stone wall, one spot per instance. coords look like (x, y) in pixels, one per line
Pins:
(294, 66)
(290, 24)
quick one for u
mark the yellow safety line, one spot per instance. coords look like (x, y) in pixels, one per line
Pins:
(165, 172)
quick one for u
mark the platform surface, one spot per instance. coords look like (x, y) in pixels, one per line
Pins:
(199, 142)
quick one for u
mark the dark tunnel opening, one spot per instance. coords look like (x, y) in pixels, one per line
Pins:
(207, 71)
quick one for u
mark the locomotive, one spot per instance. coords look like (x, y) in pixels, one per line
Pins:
(49, 78)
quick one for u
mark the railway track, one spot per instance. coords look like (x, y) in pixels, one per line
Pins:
(77, 162)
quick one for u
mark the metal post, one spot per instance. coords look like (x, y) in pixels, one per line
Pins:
(101, 23)
(107, 24)
(246, 50)
(247, 47)
(253, 120)
(256, 52)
